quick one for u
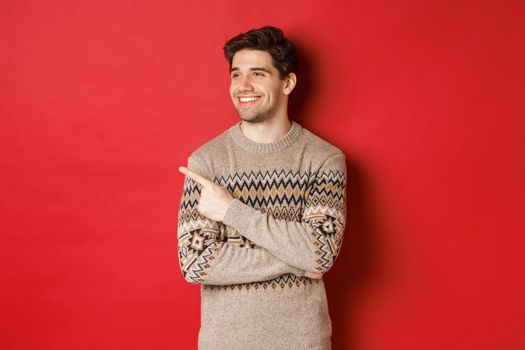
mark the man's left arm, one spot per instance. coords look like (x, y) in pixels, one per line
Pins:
(312, 244)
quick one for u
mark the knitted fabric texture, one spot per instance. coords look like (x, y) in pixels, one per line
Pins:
(287, 217)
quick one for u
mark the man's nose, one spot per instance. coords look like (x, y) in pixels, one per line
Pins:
(245, 84)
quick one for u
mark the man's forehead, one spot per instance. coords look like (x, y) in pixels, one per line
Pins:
(252, 59)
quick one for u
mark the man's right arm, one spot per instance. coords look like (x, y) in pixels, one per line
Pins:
(205, 259)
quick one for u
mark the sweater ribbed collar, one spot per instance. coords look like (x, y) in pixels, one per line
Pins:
(258, 147)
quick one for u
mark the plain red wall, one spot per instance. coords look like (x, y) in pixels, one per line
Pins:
(101, 101)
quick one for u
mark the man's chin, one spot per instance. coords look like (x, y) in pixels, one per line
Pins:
(252, 118)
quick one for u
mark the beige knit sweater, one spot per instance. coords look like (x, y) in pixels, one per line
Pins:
(288, 217)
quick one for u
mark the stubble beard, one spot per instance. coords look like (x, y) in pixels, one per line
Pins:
(257, 117)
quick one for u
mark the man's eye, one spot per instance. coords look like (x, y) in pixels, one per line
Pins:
(235, 75)
(258, 74)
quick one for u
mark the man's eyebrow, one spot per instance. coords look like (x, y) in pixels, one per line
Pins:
(236, 69)
(261, 69)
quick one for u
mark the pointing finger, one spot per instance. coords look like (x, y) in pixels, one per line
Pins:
(194, 176)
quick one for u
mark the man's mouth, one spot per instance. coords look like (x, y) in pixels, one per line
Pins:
(248, 100)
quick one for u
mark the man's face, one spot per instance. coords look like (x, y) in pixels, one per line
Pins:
(255, 88)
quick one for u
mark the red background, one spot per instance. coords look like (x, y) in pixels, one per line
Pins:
(101, 101)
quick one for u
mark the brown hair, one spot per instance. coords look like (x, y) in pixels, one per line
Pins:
(269, 39)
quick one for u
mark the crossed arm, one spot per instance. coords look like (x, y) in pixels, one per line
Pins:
(215, 201)
(307, 247)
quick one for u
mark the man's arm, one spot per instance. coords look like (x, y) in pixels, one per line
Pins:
(205, 259)
(312, 244)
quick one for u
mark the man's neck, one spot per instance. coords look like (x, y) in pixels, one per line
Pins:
(267, 131)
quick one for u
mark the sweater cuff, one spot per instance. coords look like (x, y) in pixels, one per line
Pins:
(239, 215)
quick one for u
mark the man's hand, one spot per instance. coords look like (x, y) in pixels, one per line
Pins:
(314, 275)
(214, 200)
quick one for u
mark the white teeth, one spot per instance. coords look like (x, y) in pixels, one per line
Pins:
(248, 99)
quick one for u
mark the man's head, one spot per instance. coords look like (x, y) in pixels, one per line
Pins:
(262, 68)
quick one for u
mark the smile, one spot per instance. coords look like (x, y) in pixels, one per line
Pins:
(248, 100)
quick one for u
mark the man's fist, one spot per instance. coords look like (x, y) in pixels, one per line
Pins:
(214, 200)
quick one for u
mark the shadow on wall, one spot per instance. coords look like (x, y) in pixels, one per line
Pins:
(299, 100)
(356, 266)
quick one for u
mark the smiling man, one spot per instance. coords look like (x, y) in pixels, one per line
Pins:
(263, 211)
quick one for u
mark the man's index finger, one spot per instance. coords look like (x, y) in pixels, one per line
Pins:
(194, 176)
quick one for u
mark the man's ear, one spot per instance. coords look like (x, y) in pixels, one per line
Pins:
(290, 82)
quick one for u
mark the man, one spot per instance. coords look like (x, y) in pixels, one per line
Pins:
(262, 212)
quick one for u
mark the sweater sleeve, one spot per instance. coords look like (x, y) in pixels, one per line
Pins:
(313, 243)
(206, 258)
